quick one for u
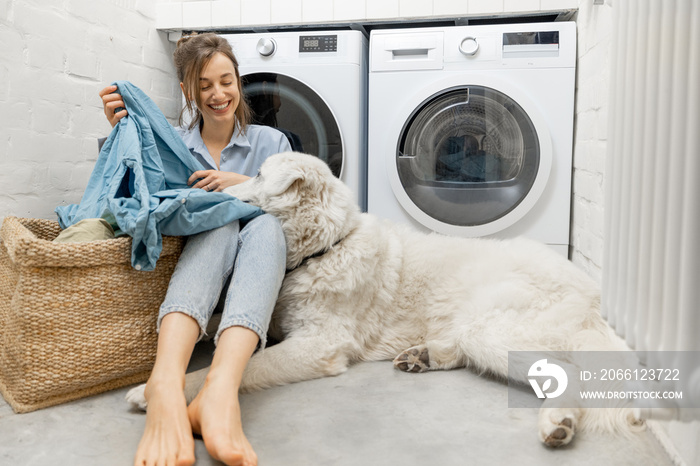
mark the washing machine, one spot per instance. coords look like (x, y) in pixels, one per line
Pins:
(471, 129)
(312, 86)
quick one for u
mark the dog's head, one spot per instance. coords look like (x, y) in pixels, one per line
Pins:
(315, 208)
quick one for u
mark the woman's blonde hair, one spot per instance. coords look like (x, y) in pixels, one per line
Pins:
(191, 55)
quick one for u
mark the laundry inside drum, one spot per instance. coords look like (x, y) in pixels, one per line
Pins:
(466, 137)
(468, 156)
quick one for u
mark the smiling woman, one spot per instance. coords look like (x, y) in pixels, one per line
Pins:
(245, 262)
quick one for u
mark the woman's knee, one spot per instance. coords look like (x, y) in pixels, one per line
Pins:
(230, 229)
(266, 227)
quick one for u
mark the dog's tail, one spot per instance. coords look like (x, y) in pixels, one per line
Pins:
(625, 421)
(619, 416)
(597, 410)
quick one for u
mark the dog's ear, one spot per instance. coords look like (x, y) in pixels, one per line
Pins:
(284, 179)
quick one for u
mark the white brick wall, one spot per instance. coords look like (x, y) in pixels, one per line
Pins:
(53, 61)
(590, 135)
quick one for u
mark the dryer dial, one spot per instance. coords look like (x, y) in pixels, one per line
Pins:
(267, 47)
(469, 46)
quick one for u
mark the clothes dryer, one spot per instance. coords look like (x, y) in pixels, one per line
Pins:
(311, 86)
(471, 128)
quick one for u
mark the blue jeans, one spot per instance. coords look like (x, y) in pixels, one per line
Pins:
(252, 259)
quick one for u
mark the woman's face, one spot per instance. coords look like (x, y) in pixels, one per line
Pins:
(218, 91)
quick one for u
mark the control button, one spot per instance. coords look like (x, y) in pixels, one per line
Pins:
(267, 47)
(469, 46)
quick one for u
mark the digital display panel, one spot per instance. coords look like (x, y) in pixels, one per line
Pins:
(325, 43)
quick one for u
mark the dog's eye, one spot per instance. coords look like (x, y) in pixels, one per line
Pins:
(259, 175)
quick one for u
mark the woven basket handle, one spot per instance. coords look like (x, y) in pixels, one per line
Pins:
(16, 238)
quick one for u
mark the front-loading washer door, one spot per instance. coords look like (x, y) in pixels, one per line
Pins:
(296, 110)
(466, 159)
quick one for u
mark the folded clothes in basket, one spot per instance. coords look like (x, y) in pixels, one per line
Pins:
(140, 178)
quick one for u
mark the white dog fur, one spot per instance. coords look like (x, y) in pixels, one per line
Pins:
(363, 289)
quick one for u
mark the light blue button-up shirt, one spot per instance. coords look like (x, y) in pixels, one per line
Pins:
(244, 154)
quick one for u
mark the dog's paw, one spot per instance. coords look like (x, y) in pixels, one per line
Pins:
(136, 396)
(414, 359)
(557, 429)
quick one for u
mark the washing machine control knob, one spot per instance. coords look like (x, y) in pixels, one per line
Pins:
(469, 46)
(267, 47)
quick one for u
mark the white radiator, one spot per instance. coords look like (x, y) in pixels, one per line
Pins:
(651, 269)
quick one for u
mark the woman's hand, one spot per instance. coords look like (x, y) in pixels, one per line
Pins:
(215, 180)
(112, 101)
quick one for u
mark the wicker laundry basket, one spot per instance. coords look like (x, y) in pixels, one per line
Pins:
(75, 318)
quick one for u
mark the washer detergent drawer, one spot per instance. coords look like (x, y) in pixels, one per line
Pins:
(415, 51)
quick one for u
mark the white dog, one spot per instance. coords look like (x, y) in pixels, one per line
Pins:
(362, 289)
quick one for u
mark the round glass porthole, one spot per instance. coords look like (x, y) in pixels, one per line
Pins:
(296, 110)
(468, 156)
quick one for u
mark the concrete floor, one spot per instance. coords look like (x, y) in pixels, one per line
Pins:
(372, 415)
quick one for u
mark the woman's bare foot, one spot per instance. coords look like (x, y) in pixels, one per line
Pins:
(215, 414)
(167, 438)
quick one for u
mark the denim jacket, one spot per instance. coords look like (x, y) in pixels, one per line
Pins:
(140, 177)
